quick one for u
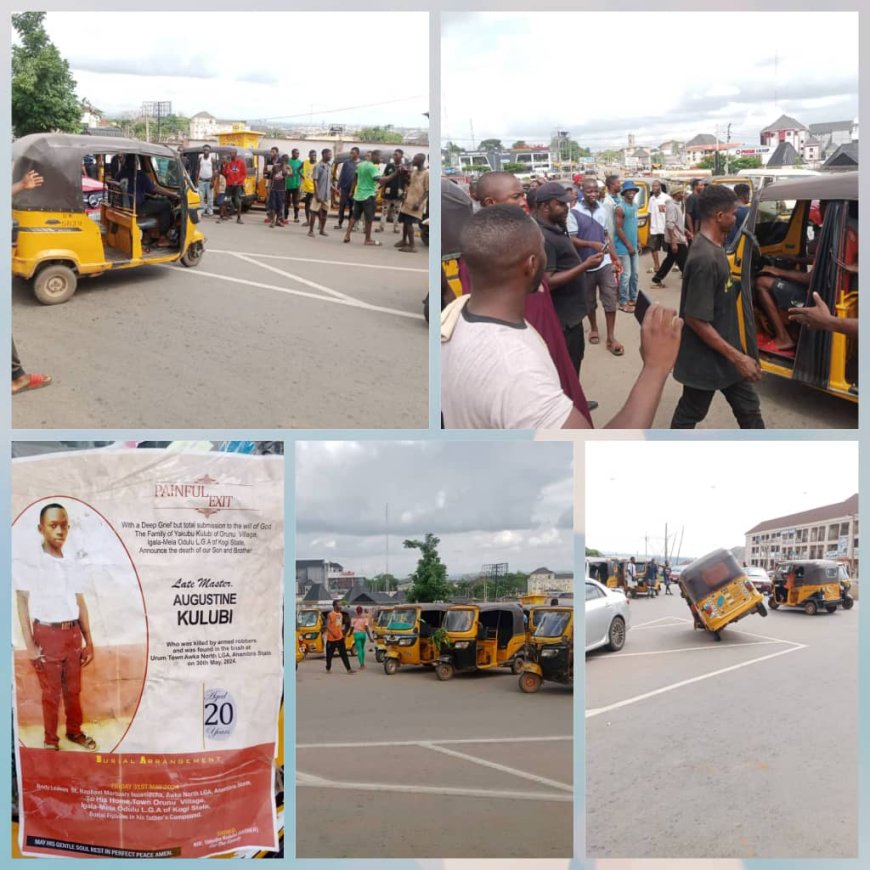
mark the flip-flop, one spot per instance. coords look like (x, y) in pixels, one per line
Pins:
(373, 243)
(615, 348)
(34, 382)
(82, 739)
(594, 338)
(625, 308)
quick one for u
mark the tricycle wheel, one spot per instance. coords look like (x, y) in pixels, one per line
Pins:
(717, 635)
(54, 284)
(848, 601)
(761, 610)
(530, 682)
(811, 608)
(831, 608)
(772, 603)
(517, 665)
(444, 671)
(193, 255)
(379, 656)
(390, 666)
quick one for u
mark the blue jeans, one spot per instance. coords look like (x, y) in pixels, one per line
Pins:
(628, 278)
(206, 195)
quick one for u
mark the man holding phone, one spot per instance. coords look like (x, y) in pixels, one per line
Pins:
(711, 357)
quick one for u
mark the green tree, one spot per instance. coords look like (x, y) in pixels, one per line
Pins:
(385, 135)
(43, 90)
(429, 581)
(453, 148)
(515, 167)
(383, 583)
(491, 145)
(735, 165)
(519, 145)
(591, 552)
(610, 156)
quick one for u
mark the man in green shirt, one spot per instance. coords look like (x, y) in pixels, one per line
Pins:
(368, 179)
(294, 179)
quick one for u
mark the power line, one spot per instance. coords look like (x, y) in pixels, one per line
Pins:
(344, 108)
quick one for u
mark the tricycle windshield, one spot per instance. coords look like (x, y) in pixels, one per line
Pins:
(459, 620)
(403, 618)
(383, 619)
(306, 618)
(551, 623)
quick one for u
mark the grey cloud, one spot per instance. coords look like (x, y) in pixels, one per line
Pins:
(160, 65)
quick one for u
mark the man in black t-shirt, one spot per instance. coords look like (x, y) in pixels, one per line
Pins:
(693, 216)
(711, 357)
(564, 267)
(394, 190)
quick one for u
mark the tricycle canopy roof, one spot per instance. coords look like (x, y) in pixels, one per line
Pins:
(709, 573)
(825, 186)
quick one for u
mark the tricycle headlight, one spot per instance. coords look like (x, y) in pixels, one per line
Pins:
(311, 635)
(407, 641)
(462, 644)
(549, 653)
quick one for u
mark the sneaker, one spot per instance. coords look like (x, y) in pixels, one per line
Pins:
(657, 282)
(592, 404)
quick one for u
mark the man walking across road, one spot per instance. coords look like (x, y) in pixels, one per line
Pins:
(675, 237)
(657, 204)
(336, 632)
(711, 357)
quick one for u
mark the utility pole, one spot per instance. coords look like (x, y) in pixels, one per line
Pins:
(727, 148)
(386, 543)
(471, 124)
(666, 542)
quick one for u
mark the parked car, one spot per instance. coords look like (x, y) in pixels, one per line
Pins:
(759, 578)
(607, 617)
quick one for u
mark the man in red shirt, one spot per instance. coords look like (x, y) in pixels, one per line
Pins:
(235, 173)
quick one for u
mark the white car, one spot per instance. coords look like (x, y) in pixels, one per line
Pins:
(607, 616)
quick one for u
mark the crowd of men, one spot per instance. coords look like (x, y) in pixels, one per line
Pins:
(308, 187)
(535, 265)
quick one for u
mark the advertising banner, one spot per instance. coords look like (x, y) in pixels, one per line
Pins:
(147, 622)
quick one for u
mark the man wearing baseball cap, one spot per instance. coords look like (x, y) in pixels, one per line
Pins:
(564, 267)
(625, 216)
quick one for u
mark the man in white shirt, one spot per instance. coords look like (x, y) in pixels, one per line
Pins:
(657, 204)
(205, 172)
(496, 372)
(54, 622)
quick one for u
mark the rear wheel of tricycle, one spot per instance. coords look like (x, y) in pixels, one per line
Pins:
(390, 666)
(379, 656)
(811, 608)
(848, 601)
(831, 608)
(444, 671)
(717, 635)
(530, 682)
(761, 610)
(517, 665)
(54, 284)
(193, 255)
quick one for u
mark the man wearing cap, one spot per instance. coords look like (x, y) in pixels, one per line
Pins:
(675, 237)
(564, 267)
(625, 217)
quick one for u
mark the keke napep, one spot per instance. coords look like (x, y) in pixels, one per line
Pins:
(811, 585)
(149, 213)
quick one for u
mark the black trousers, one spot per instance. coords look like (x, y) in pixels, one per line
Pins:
(333, 646)
(576, 343)
(345, 202)
(694, 405)
(679, 258)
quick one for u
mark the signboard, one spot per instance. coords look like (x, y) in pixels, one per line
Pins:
(147, 627)
(843, 545)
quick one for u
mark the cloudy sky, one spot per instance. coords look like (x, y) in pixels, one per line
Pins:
(672, 80)
(219, 62)
(488, 502)
(716, 491)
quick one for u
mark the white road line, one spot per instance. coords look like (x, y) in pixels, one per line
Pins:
(336, 293)
(323, 262)
(501, 767)
(310, 779)
(452, 741)
(302, 293)
(661, 652)
(599, 710)
(674, 621)
(443, 791)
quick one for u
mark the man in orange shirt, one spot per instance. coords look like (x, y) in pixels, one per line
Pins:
(335, 637)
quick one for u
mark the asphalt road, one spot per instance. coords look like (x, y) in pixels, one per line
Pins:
(784, 404)
(272, 329)
(403, 766)
(746, 748)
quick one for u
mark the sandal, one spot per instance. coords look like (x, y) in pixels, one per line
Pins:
(594, 338)
(625, 308)
(615, 348)
(52, 746)
(82, 739)
(34, 382)
(372, 243)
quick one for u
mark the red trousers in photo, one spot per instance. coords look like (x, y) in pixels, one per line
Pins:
(60, 677)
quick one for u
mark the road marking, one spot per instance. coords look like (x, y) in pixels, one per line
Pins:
(305, 294)
(661, 652)
(309, 779)
(323, 262)
(659, 623)
(336, 293)
(501, 767)
(599, 710)
(442, 791)
(451, 741)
